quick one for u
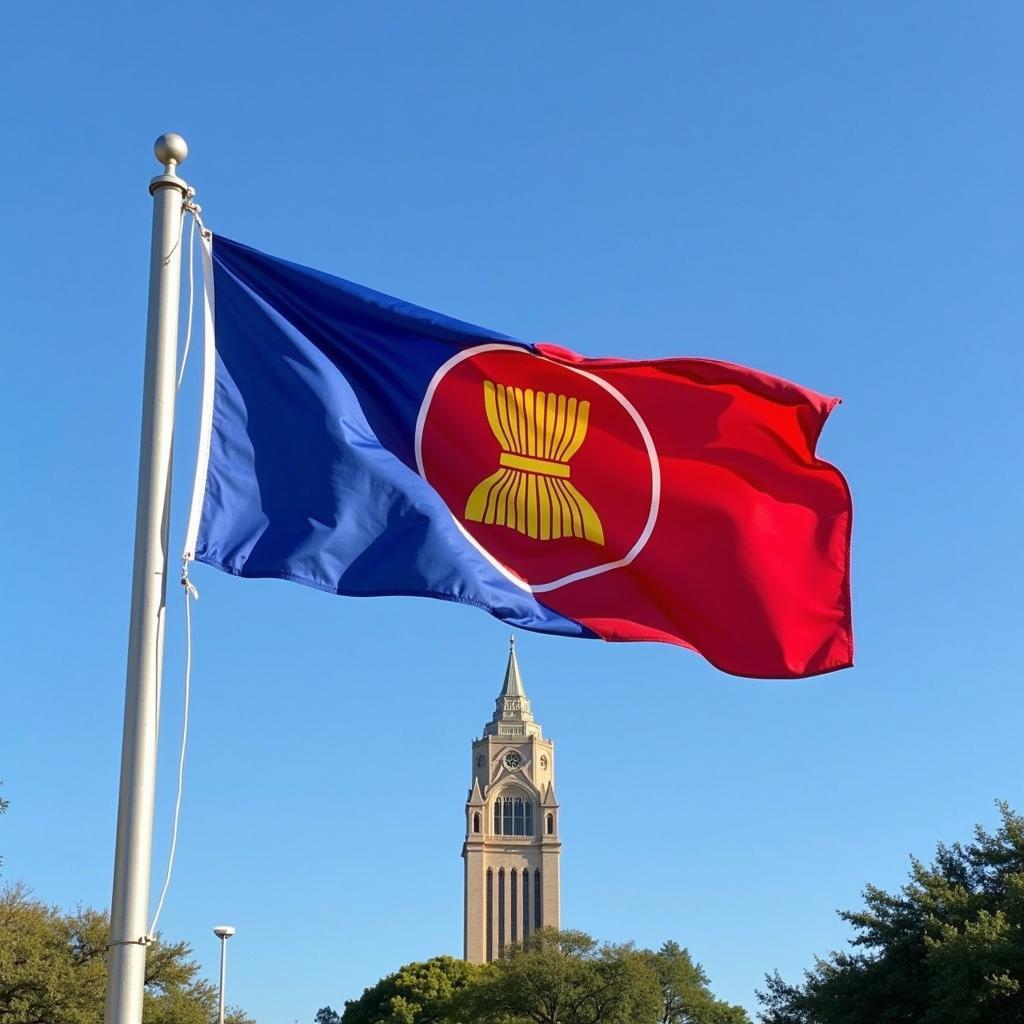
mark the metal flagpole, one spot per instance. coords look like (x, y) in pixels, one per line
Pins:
(130, 901)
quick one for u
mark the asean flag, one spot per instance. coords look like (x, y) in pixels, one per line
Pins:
(365, 446)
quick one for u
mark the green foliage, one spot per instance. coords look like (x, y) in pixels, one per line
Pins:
(53, 969)
(551, 978)
(418, 993)
(948, 948)
(567, 978)
(686, 996)
(4, 804)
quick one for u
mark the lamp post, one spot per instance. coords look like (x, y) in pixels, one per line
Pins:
(223, 932)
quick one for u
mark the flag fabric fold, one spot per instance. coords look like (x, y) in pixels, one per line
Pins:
(366, 446)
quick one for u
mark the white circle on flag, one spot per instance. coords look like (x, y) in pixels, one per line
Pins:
(645, 434)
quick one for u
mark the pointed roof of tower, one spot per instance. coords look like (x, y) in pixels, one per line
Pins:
(476, 796)
(513, 686)
(512, 715)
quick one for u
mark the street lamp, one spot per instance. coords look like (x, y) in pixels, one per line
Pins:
(223, 932)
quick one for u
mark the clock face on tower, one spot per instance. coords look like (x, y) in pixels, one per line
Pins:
(513, 760)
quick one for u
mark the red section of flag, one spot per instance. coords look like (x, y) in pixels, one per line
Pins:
(678, 500)
(749, 562)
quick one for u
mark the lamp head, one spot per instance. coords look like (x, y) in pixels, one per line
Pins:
(223, 931)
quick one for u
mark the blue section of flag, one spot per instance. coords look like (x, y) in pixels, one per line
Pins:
(312, 468)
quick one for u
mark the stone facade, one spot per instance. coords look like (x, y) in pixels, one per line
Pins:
(512, 848)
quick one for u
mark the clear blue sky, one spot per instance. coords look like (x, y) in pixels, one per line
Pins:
(830, 192)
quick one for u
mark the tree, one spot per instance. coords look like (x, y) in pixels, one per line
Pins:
(552, 977)
(4, 804)
(686, 996)
(418, 993)
(53, 969)
(566, 978)
(948, 948)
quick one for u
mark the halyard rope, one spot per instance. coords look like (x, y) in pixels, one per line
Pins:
(191, 594)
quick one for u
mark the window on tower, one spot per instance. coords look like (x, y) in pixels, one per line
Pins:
(526, 903)
(551, 824)
(513, 816)
(501, 911)
(490, 915)
(513, 902)
(476, 821)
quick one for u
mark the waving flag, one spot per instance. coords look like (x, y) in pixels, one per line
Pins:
(365, 446)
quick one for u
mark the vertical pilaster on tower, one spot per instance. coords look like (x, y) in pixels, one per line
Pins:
(512, 850)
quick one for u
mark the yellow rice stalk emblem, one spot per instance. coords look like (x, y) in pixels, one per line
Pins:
(539, 433)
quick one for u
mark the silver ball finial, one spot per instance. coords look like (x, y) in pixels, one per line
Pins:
(170, 149)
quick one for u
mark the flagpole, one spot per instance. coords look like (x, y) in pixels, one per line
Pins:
(133, 853)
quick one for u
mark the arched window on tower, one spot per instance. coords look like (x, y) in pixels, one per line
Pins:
(526, 904)
(476, 821)
(490, 915)
(513, 816)
(501, 911)
(551, 824)
(538, 902)
(513, 902)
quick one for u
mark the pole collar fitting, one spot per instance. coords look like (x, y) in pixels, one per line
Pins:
(143, 940)
(168, 181)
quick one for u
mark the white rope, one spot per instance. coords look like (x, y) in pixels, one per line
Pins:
(191, 298)
(181, 228)
(191, 594)
(196, 210)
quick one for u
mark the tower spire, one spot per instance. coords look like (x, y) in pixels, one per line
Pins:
(512, 713)
(513, 685)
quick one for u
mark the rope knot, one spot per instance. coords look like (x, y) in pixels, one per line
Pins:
(189, 586)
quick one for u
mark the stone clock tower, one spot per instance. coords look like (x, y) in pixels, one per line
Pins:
(512, 847)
